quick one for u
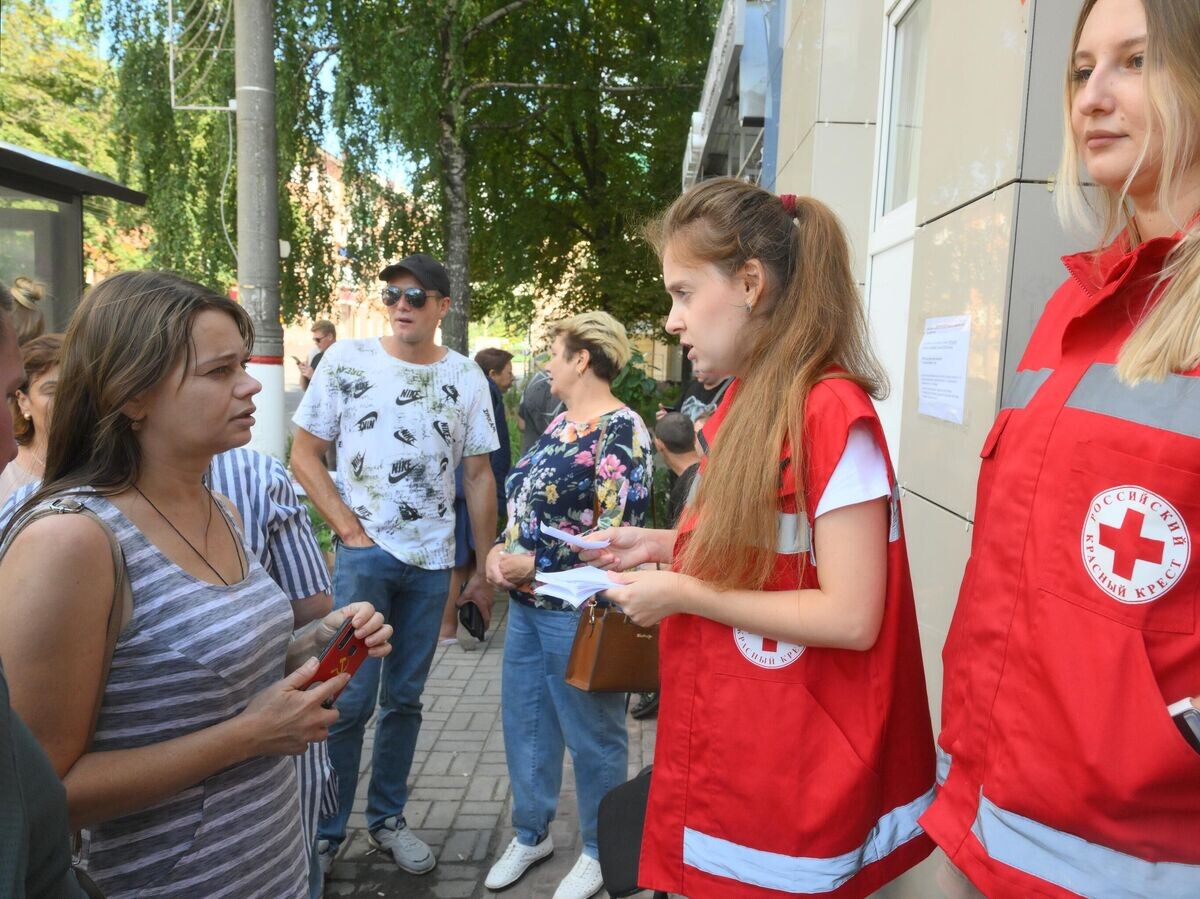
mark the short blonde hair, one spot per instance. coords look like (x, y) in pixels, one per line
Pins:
(602, 336)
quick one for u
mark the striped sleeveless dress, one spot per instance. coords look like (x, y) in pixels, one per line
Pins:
(193, 655)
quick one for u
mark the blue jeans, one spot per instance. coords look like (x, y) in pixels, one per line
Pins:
(411, 600)
(541, 713)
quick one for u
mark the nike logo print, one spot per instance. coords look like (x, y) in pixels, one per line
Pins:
(401, 470)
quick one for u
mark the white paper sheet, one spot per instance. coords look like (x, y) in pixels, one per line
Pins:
(942, 367)
(576, 540)
(574, 586)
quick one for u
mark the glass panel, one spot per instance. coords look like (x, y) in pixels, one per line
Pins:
(40, 239)
(905, 106)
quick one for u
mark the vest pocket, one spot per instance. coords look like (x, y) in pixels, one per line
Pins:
(1124, 540)
(779, 774)
(993, 438)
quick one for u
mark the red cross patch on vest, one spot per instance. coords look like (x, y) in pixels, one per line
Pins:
(1135, 544)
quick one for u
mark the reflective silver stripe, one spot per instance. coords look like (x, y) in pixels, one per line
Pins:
(943, 765)
(1024, 384)
(798, 874)
(1173, 405)
(793, 535)
(1074, 864)
(894, 511)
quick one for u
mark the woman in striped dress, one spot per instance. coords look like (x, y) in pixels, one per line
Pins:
(184, 787)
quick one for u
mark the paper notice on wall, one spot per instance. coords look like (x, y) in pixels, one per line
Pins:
(942, 367)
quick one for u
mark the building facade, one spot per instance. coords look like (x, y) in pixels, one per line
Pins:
(933, 128)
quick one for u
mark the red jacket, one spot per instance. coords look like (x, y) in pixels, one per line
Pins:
(1076, 622)
(781, 770)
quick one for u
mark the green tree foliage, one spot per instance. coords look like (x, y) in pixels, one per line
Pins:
(537, 137)
(185, 160)
(554, 129)
(567, 192)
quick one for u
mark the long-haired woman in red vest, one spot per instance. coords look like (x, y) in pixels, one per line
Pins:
(794, 752)
(1074, 643)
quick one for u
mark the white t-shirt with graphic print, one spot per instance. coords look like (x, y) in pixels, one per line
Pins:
(401, 430)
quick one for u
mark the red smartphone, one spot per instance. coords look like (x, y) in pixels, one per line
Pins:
(342, 655)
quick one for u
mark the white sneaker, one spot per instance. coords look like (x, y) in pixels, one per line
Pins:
(406, 849)
(583, 881)
(326, 851)
(516, 860)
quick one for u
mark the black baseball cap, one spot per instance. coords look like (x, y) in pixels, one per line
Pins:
(426, 269)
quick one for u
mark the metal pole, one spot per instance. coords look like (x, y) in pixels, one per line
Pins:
(258, 213)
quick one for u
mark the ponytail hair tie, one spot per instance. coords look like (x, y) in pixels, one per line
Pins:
(788, 201)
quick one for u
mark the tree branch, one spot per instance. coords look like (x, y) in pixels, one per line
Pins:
(491, 19)
(312, 50)
(543, 86)
(511, 126)
(574, 186)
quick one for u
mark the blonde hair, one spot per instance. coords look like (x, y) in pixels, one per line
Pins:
(809, 325)
(1167, 339)
(602, 336)
(27, 313)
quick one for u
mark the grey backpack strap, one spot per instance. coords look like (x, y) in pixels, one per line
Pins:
(121, 608)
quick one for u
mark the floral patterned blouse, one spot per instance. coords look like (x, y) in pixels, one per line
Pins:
(558, 480)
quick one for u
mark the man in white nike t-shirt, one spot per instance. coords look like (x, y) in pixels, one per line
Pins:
(404, 412)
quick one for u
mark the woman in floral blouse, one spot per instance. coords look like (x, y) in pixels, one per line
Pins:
(591, 469)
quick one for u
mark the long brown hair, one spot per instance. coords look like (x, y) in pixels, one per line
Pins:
(808, 325)
(129, 332)
(1168, 338)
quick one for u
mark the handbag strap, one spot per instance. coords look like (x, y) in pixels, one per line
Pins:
(596, 475)
(121, 607)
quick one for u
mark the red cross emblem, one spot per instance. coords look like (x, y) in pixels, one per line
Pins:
(1129, 524)
(766, 652)
(1129, 546)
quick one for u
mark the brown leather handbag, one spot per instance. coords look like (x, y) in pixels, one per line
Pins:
(611, 654)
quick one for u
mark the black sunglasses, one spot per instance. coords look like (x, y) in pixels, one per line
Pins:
(415, 295)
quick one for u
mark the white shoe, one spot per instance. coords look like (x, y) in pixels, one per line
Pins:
(406, 849)
(516, 860)
(583, 881)
(326, 851)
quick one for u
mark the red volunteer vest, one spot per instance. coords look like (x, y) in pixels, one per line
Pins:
(781, 770)
(1076, 621)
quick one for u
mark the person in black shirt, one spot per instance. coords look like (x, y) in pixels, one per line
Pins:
(538, 408)
(675, 440)
(702, 395)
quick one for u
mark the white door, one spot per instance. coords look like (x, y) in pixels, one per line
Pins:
(894, 203)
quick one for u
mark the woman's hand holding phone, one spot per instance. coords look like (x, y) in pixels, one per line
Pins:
(284, 718)
(368, 627)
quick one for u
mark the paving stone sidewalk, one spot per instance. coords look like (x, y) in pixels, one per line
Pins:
(460, 796)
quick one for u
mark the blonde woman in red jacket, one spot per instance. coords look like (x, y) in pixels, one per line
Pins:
(1075, 636)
